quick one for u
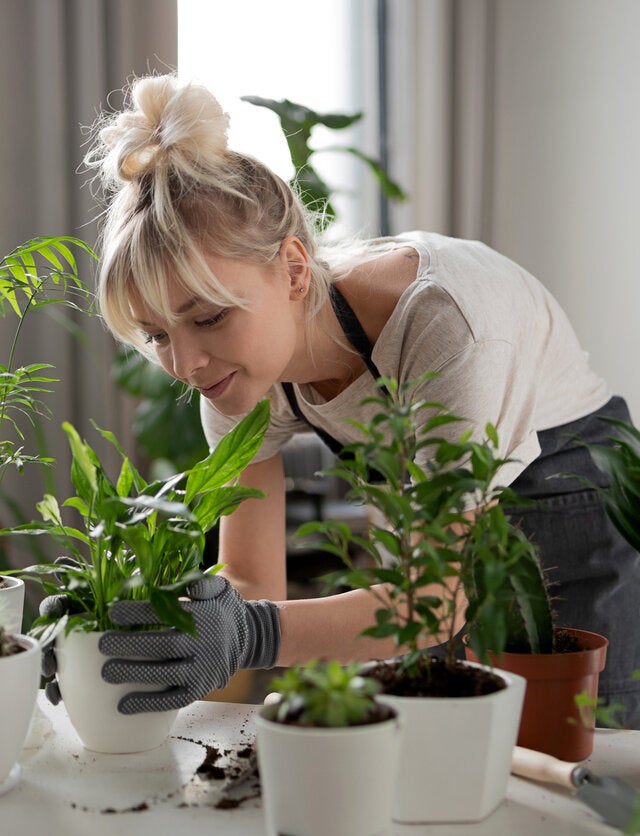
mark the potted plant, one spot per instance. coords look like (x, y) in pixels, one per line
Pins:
(19, 681)
(460, 719)
(34, 276)
(136, 541)
(11, 603)
(327, 753)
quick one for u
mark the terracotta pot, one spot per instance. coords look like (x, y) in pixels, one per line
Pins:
(92, 703)
(551, 721)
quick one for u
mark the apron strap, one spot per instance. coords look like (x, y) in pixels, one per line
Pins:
(355, 334)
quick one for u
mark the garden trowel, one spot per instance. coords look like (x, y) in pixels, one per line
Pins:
(612, 798)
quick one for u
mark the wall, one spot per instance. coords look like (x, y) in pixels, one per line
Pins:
(517, 122)
(566, 166)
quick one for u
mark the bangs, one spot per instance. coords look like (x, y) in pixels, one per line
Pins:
(149, 274)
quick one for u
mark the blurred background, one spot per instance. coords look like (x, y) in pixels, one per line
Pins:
(510, 121)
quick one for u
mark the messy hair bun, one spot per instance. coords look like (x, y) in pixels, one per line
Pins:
(167, 124)
(176, 194)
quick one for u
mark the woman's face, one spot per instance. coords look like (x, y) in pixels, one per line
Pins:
(231, 355)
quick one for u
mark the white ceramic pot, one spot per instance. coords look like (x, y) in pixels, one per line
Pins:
(11, 603)
(19, 681)
(327, 781)
(455, 754)
(92, 703)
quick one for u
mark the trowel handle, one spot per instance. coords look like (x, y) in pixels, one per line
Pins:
(541, 767)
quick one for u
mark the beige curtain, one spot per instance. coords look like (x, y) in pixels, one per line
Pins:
(60, 61)
(441, 97)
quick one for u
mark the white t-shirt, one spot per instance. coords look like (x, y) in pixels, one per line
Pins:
(504, 350)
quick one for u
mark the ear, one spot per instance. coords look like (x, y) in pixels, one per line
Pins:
(295, 258)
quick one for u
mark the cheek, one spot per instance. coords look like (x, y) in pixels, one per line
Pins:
(165, 361)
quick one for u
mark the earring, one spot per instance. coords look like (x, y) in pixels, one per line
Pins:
(301, 289)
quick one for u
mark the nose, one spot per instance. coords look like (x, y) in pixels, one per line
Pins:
(188, 358)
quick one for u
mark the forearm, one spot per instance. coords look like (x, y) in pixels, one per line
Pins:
(330, 628)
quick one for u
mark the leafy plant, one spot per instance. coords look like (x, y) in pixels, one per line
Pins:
(620, 462)
(298, 122)
(433, 540)
(138, 540)
(34, 276)
(325, 694)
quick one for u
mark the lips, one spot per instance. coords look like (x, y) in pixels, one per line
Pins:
(218, 388)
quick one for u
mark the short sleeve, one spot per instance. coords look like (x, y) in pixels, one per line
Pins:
(481, 385)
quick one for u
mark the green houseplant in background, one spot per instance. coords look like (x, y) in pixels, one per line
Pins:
(167, 419)
(620, 462)
(33, 277)
(327, 751)
(135, 540)
(297, 123)
(38, 276)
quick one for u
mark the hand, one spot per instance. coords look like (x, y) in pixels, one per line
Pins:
(230, 633)
(58, 606)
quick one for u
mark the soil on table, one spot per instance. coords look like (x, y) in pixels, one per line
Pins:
(436, 678)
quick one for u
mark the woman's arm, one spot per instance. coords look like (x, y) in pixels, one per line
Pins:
(253, 537)
(329, 628)
(253, 547)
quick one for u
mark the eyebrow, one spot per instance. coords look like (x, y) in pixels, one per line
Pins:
(181, 310)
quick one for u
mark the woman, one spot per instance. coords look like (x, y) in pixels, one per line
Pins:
(209, 266)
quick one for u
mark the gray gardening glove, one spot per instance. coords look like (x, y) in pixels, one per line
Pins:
(231, 634)
(56, 605)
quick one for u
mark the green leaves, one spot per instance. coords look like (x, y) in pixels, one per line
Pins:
(324, 694)
(37, 274)
(138, 540)
(620, 462)
(232, 454)
(298, 122)
(429, 545)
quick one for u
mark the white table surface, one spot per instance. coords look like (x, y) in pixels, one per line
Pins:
(66, 790)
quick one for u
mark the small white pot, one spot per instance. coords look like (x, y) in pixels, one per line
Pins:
(92, 703)
(11, 603)
(455, 753)
(327, 781)
(19, 681)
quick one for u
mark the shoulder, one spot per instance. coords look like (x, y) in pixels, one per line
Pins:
(374, 286)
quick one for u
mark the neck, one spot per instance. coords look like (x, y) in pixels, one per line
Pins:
(326, 361)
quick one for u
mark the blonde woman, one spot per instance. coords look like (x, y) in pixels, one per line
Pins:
(210, 266)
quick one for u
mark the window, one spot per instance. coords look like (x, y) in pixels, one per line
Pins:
(309, 52)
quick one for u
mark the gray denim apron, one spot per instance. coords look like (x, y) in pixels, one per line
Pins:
(594, 574)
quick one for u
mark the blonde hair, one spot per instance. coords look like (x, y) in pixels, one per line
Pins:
(176, 193)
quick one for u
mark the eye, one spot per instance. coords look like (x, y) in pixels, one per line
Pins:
(155, 339)
(210, 321)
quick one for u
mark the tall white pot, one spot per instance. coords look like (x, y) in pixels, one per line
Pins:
(92, 703)
(455, 753)
(327, 781)
(19, 681)
(11, 603)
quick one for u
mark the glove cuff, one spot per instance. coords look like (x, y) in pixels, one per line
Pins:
(263, 635)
